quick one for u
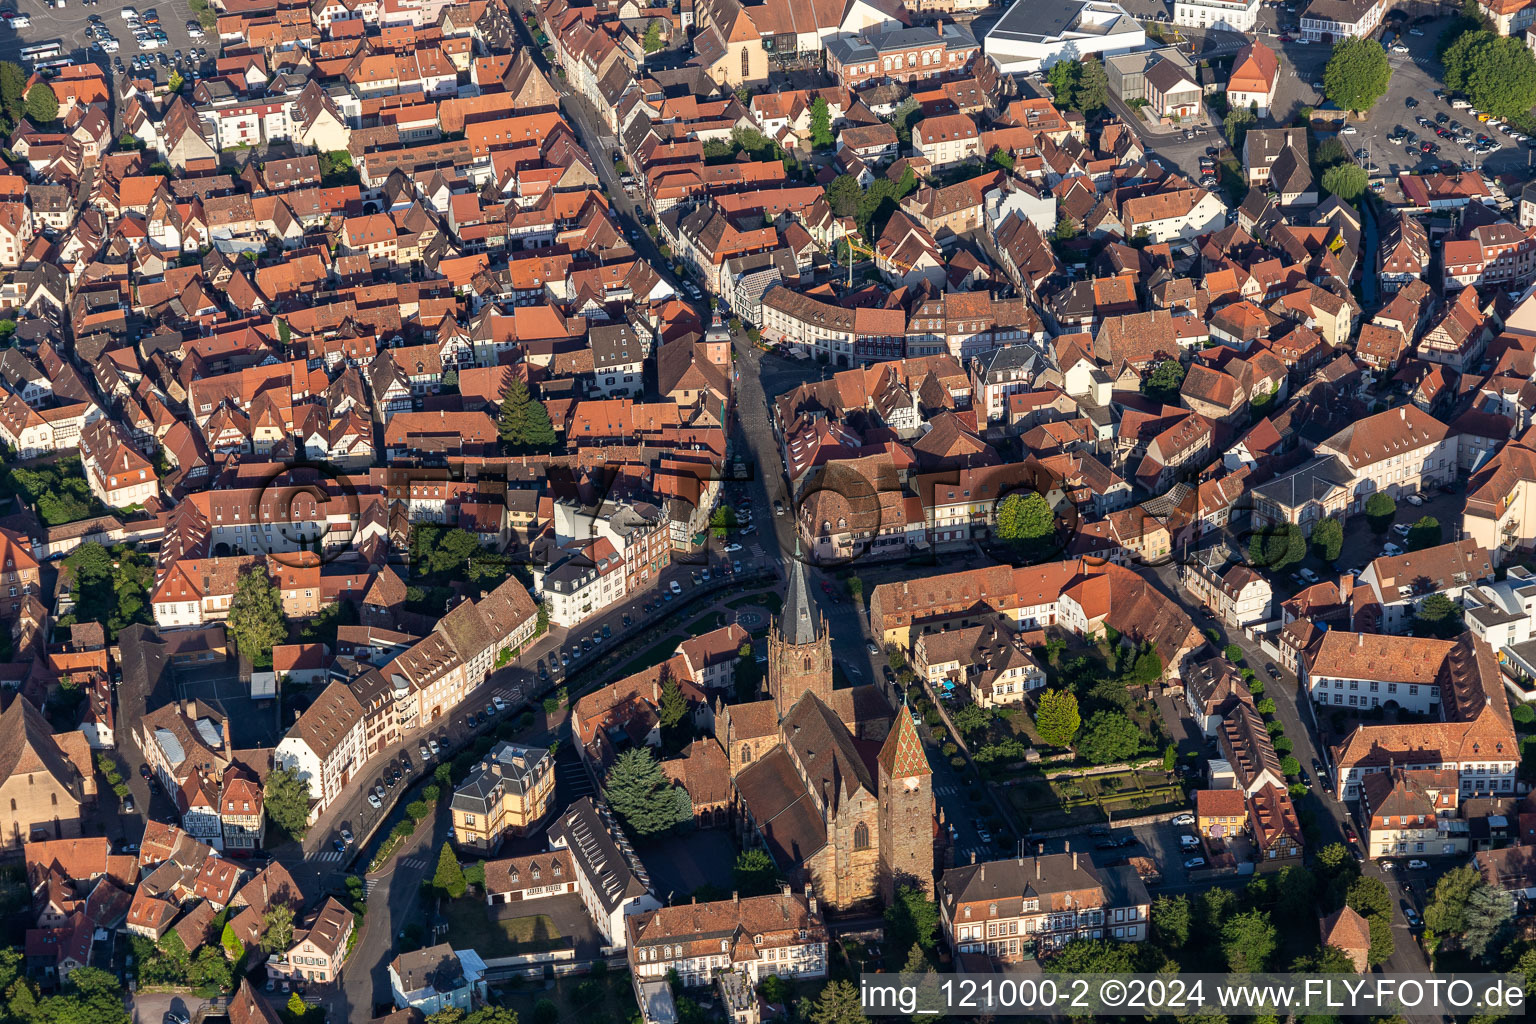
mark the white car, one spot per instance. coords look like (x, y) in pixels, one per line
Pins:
(1349, 129)
(1414, 500)
(128, 13)
(1184, 819)
(1388, 865)
(373, 798)
(432, 746)
(1195, 862)
(1390, 549)
(500, 704)
(675, 587)
(1188, 842)
(1401, 528)
(426, 755)
(1418, 865)
(729, 548)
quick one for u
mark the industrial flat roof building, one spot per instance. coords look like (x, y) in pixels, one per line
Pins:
(1034, 34)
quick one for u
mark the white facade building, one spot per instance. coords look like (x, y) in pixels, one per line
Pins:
(1229, 15)
(1034, 34)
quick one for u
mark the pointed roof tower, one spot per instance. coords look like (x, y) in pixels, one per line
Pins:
(798, 622)
(902, 756)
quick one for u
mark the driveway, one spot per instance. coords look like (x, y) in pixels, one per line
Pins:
(152, 1007)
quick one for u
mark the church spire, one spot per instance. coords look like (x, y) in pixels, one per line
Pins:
(797, 621)
(903, 755)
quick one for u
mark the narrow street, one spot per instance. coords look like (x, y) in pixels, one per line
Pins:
(1329, 815)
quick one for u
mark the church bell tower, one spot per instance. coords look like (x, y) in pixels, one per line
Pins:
(799, 646)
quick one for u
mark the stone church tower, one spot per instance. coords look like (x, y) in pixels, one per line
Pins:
(906, 810)
(799, 647)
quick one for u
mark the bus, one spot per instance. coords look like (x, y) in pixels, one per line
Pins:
(42, 52)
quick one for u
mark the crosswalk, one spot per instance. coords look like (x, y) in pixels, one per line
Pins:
(946, 790)
(328, 856)
(415, 860)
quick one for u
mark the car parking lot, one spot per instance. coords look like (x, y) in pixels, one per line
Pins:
(75, 28)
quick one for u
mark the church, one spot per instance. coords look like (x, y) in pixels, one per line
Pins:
(834, 784)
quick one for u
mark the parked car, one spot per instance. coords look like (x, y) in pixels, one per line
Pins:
(1271, 671)
(1189, 842)
(375, 799)
(675, 587)
(432, 746)
(426, 755)
(128, 804)
(501, 705)
(1414, 500)
(1195, 862)
(145, 773)
(1184, 819)
(1417, 865)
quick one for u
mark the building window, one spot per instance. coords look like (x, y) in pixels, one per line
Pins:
(861, 836)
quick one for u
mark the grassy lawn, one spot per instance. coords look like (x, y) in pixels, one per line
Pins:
(772, 602)
(579, 1000)
(1058, 803)
(469, 925)
(652, 655)
(703, 624)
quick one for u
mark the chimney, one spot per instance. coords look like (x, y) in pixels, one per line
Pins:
(983, 872)
(1037, 867)
(1346, 587)
(1074, 862)
(1402, 413)
(736, 897)
(784, 889)
(228, 747)
(810, 899)
(1359, 639)
(973, 856)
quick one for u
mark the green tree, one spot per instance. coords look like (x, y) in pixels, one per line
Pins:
(1248, 940)
(1347, 181)
(1488, 915)
(1446, 913)
(1328, 538)
(449, 878)
(1423, 534)
(674, 706)
(298, 1009)
(1357, 74)
(838, 1003)
(13, 84)
(1026, 522)
(1056, 717)
(1109, 737)
(1001, 159)
(754, 873)
(1277, 547)
(843, 194)
(277, 928)
(1237, 123)
(286, 798)
(821, 124)
(1369, 896)
(1290, 766)
(89, 996)
(523, 421)
(42, 104)
(1379, 510)
(1498, 74)
(1438, 616)
(1325, 960)
(209, 969)
(1171, 920)
(1092, 956)
(912, 918)
(640, 793)
(1296, 893)
(1063, 77)
(1092, 87)
(1163, 383)
(256, 616)
(972, 718)
(653, 36)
